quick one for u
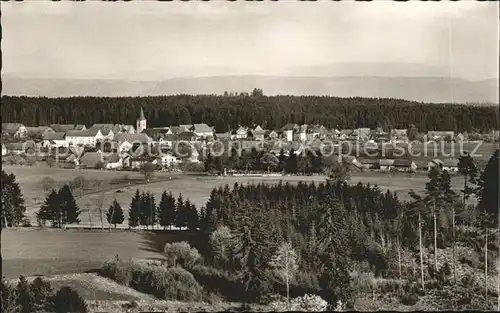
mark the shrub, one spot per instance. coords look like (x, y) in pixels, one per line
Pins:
(8, 298)
(41, 295)
(307, 303)
(165, 283)
(219, 282)
(68, 300)
(181, 253)
(117, 270)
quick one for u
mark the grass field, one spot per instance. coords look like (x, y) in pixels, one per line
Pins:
(122, 186)
(50, 252)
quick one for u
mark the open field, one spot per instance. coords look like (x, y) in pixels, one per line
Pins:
(122, 186)
(51, 252)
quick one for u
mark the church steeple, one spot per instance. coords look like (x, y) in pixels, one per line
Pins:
(141, 122)
(141, 116)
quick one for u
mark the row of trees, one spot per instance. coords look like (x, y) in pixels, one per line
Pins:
(262, 161)
(59, 208)
(143, 211)
(272, 112)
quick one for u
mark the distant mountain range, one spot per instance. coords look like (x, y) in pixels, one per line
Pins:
(422, 89)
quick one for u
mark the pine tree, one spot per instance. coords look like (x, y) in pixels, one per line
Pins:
(180, 216)
(24, 299)
(433, 197)
(115, 215)
(134, 210)
(68, 300)
(167, 210)
(488, 191)
(50, 210)
(144, 210)
(41, 295)
(68, 207)
(192, 217)
(13, 209)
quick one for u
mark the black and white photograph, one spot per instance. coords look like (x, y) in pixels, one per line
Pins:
(249, 156)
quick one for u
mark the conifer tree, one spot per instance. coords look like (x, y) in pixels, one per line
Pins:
(68, 207)
(180, 212)
(24, 298)
(13, 209)
(488, 191)
(41, 295)
(50, 210)
(167, 210)
(115, 215)
(192, 217)
(134, 210)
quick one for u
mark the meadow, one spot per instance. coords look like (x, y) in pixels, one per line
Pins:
(31, 251)
(122, 185)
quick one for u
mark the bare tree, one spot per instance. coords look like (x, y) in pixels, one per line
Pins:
(99, 184)
(147, 169)
(47, 184)
(285, 263)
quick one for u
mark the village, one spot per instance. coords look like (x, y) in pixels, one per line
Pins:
(125, 147)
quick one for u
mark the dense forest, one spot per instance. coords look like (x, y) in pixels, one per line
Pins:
(272, 112)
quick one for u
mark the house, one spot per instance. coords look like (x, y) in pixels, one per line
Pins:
(88, 137)
(62, 128)
(14, 130)
(186, 136)
(399, 135)
(38, 131)
(241, 132)
(53, 139)
(4, 149)
(125, 142)
(441, 135)
(115, 161)
(223, 136)
(386, 164)
(381, 138)
(167, 160)
(404, 165)
(450, 165)
(270, 134)
(373, 164)
(92, 160)
(178, 129)
(363, 133)
(288, 131)
(258, 133)
(201, 130)
(105, 129)
(344, 134)
(18, 147)
(350, 160)
(313, 131)
(461, 137)
(301, 133)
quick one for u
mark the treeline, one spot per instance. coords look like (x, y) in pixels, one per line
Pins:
(271, 112)
(143, 211)
(262, 161)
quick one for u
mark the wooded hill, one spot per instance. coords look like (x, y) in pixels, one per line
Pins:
(228, 111)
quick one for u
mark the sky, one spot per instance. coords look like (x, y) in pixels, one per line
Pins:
(147, 40)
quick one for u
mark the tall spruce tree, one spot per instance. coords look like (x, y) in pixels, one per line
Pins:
(69, 209)
(180, 212)
(488, 191)
(115, 215)
(167, 210)
(134, 210)
(192, 222)
(50, 210)
(13, 209)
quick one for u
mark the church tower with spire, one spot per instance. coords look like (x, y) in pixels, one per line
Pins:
(141, 123)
